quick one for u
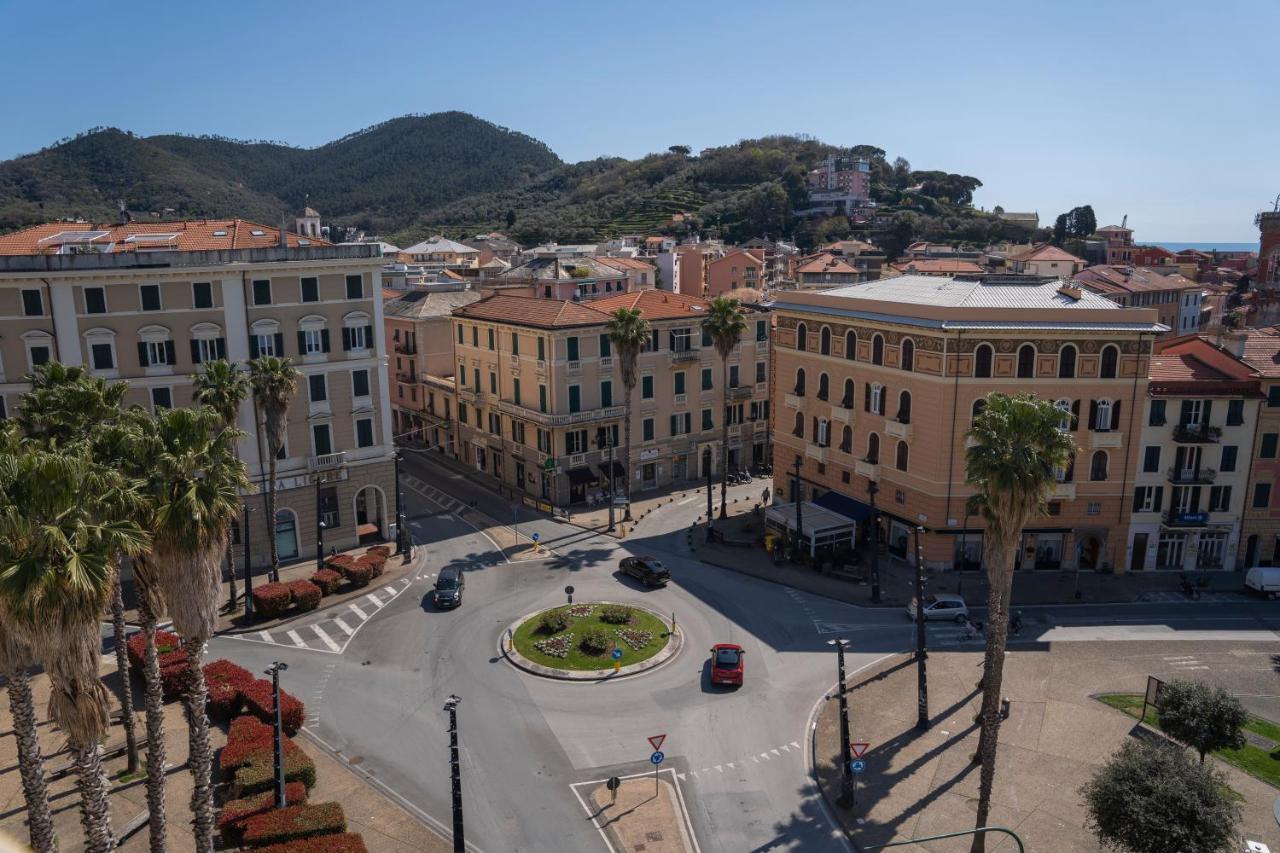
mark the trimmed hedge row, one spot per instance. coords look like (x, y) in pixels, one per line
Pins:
(172, 660)
(271, 600)
(328, 580)
(259, 772)
(248, 735)
(347, 842)
(294, 823)
(234, 813)
(258, 701)
(305, 595)
(225, 681)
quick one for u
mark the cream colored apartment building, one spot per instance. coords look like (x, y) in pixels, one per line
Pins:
(148, 302)
(540, 399)
(878, 382)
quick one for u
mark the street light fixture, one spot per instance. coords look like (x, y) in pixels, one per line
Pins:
(846, 756)
(320, 544)
(922, 680)
(455, 768)
(274, 671)
(248, 569)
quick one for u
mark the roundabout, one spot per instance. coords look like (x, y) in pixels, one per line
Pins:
(590, 641)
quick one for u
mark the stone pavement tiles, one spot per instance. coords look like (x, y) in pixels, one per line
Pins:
(919, 784)
(642, 819)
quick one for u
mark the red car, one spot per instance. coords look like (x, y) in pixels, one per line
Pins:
(726, 664)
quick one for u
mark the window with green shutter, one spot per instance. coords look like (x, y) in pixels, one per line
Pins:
(646, 387)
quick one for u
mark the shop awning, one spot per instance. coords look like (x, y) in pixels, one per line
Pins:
(844, 505)
(619, 470)
(582, 476)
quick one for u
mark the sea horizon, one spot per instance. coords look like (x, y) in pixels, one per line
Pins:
(1203, 247)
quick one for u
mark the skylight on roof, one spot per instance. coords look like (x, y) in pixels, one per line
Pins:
(151, 238)
(220, 233)
(258, 232)
(64, 237)
(303, 242)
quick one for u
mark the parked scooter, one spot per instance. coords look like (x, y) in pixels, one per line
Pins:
(1188, 588)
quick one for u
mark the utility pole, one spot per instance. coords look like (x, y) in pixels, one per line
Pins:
(872, 490)
(248, 569)
(799, 502)
(274, 672)
(922, 681)
(401, 532)
(706, 463)
(455, 768)
(319, 528)
(846, 756)
(609, 441)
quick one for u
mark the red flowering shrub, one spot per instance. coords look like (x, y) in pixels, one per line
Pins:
(234, 813)
(173, 679)
(271, 600)
(247, 735)
(167, 643)
(305, 595)
(258, 701)
(340, 562)
(346, 842)
(294, 822)
(328, 580)
(225, 680)
(384, 550)
(375, 562)
(359, 574)
(260, 773)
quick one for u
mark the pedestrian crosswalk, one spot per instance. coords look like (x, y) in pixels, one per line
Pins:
(1172, 596)
(332, 629)
(447, 503)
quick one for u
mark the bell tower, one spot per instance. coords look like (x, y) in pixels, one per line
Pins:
(1268, 223)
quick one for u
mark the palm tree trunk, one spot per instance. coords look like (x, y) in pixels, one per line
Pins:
(122, 668)
(1000, 584)
(626, 439)
(271, 517)
(231, 573)
(724, 441)
(200, 759)
(154, 697)
(30, 762)
(95, 798)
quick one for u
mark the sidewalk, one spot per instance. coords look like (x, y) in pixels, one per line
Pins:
(645, 816)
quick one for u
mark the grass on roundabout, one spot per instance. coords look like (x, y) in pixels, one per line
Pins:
(585, 618)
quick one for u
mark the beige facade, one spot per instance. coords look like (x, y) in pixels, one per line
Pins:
(877, 384)
(151, 319)
(739, 274)
(540, 399)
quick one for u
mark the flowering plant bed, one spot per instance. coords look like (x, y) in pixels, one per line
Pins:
(260, 773)
(258, 702)
(271, 600)
(340, 562)
(345, 842)
(563, 648)
(294, 822)
(328, 580)
(305, 595)
(168, 648)
(225, 681)
(234, 813)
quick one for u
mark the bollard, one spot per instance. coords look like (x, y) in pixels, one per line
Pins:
(1004, 708)
(673, 621)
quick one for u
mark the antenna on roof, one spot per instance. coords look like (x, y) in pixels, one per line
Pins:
(125, 218)
(1124, 222)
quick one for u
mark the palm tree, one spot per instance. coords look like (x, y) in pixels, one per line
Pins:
(1016, 447)
(726, 326)
(222, 387)
(15, 659)
(194, 488)
(274, 381)
(629, 334)
(56, 553)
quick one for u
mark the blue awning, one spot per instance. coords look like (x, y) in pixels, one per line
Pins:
(845, 505)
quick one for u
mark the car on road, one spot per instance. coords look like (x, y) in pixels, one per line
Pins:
(648, 570)
(942, 606)
(449, 587)
(1264, 580)
(727, 664)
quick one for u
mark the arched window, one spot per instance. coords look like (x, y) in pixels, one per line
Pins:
(1064, 419)
(802, 337)
(799, 392)
(798, 431)
(156, 350)
(877, 398)
(982, 361)
(1098, 466)
(873, 449)
(824, 389)
(846, 439)
(265, 339)
(846, 402)
(1110, 356)
(851, 345)
(824, 341)
(908, 358)
(877, 349)
(1026, 361)
(979, 405)
(902, 456)
(1067, 362)
(904, 407)
(313, 338)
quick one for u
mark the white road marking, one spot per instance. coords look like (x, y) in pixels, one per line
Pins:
(358, 611)
(337, 620)
(685, 501)
(326, 639)
(390, 590)
(297, 641)
(266, 636)
(377, 602)
(765, 756)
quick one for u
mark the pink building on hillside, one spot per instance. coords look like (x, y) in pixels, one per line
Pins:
(739, 274)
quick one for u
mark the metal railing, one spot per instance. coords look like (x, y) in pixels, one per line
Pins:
(1192, 475)
(1194, 433)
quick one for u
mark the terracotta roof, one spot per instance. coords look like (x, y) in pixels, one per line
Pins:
(752, 255)
(188, 235)
(1045, 252)
(626, 263)
(941, 266)
(825, 263)
(1262, 351)
(421, 304)
(655, 304)
(1191, 364)
(1118, 278)
(532, 311)
(388, 294)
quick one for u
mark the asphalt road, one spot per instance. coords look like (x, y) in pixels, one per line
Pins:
(739, 755)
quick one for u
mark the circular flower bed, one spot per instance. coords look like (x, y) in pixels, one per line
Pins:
(580, 637)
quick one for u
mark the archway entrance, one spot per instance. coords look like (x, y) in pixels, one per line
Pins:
(286, 535)
(1090, 549)
(371, 514)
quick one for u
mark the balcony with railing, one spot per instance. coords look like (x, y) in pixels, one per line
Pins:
(326, 461)
(406, 377)
(684, 356)
(565, 419)
(1191, 476)
(740, 392)
(897, 429)
(1197, 434)
(407, 348)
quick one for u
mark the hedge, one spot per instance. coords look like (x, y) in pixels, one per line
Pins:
(375, 562)
(305, 595)
(347, 842)
(360, 574)
(328, 580)
(294, 822)
(260, 773)
(340, 562)
(168, 647)
(270, 600)
(248, 735)
(259, 703)
(384, 550)
(225, 680)
(234, 813)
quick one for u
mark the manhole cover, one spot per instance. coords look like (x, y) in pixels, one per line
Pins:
(356, 759)
(656, 835)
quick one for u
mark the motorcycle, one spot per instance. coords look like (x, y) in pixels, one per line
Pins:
(1188, 588)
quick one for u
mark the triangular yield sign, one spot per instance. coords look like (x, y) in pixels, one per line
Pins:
(656, 742)
(858, 748)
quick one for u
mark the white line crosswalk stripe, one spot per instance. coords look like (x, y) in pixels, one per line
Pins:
(337, 620)
(326, 639)
(358, 612)
(390, 590)
(377, 602)
(297, 641)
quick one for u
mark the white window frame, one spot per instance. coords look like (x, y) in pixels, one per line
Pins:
(363, 401)
(318, 407)
(1064, 422)
(1102, 418)
(312, 328)
(206, 336)
(98, 336)
(155, 338)
(34, 338)
(265, 331)
(877, 398)
(357, 321)
(152, 395)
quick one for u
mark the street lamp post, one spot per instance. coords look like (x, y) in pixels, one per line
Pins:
(799, 503)
(320, 545)
(609, 441)
(922, 682)
(706, 463)
(872, 490)
(248, 569)
(846, 756)
(396, 457)
(278, 740)
(455, 770)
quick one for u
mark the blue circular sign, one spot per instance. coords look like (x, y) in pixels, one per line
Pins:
(536, 536)
(857, 765)
(656, 758)
(617, 654)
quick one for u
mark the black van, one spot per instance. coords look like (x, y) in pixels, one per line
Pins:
(449, 586)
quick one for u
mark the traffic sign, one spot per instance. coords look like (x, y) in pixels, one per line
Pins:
(656, 742)
(614, 783)
(568, 590)
(536, 536)
(858, 749)
(617, 654)
(656, 758)
(857, 765)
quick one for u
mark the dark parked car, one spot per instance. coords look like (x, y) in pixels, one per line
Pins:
(449, 587)
(648, 570)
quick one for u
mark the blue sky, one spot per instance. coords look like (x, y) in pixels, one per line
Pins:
(1169, 112)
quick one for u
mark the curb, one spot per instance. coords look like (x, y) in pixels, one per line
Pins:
(675, 642)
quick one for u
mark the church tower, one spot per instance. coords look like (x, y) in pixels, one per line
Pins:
(307, 223)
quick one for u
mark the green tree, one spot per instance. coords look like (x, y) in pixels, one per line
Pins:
(1206, 719)
(726, 325)
(681, 150)
(274, 381)
(1150, 798)
(629, 333)
(223, 388)
(511, 218)
(1060, 229)
(1016, 445)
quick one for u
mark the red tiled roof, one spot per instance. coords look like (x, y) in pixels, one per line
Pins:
(752, 257)
(1045, 252)
(1190, 364)
(1262, 351)
(190, 235)
(1117, 278)
(532, 311)
(825, 262)
(626, 263)
(940, 266)
(655, 304)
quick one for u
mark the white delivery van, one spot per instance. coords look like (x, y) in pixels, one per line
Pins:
(1264, 580)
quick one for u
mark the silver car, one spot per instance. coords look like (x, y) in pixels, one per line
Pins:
(942, 607)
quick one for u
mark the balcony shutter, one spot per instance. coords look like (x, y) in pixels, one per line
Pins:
(142, 354)
(884, 393)
(302, 343)
(866, 397)
(368, 337)
(1115, 415)
(1075, 415)
(1208, 410)
(253, 345)
(195, 351)
(324, 340)
(346, 339)
(1071, 470)
(170, 357)
(1137, 498)
(220, 347)
(1093, 414)
(1159, 501)
(279, 345)
(1185, 417)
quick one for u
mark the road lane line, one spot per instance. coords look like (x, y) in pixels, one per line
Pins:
(358, 611)
(297, 641)
(377, 602)
(328, 641)
(337, 620)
